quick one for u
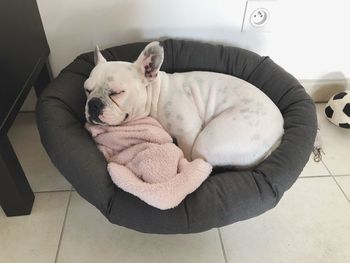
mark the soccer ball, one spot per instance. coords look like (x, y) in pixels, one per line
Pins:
(338, 109)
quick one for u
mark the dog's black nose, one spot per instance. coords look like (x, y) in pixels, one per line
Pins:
(95, 106)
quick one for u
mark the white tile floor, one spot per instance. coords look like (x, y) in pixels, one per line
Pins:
(311, 223)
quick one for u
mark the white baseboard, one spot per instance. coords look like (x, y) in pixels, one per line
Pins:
(321, 90)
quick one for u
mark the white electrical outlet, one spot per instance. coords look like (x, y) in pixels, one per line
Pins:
(259, 16)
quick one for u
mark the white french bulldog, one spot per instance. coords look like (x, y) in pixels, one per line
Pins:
(217, 117)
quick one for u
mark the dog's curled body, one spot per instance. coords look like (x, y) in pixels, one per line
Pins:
(220, 118)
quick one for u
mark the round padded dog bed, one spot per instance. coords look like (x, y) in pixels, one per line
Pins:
(227, 196)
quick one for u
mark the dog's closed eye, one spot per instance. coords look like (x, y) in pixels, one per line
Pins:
(113, 93)
(114, 96)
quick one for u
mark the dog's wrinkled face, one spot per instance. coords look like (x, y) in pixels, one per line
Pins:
(117, 91)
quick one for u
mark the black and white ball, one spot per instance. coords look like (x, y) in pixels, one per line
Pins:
(338, 109)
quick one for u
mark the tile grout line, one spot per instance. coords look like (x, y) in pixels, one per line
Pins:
(329, 171)
(325, 175)
(341, 189)
(314, 176)
(222, 245)
(53, 191)
(63, 227)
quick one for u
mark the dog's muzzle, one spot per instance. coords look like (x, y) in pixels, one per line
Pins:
(95, 107)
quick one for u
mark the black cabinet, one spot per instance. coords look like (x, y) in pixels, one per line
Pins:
(24, 63)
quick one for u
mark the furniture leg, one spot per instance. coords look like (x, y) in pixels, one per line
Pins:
(16, 196)
(44, 78)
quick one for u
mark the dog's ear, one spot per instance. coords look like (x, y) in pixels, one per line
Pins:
(98, 58)
(150, 60)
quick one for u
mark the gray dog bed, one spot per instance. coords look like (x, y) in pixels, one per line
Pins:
(227, 196)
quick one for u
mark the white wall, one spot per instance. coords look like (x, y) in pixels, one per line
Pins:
(310, 38)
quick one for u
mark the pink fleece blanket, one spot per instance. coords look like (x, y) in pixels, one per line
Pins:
(143, 161)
